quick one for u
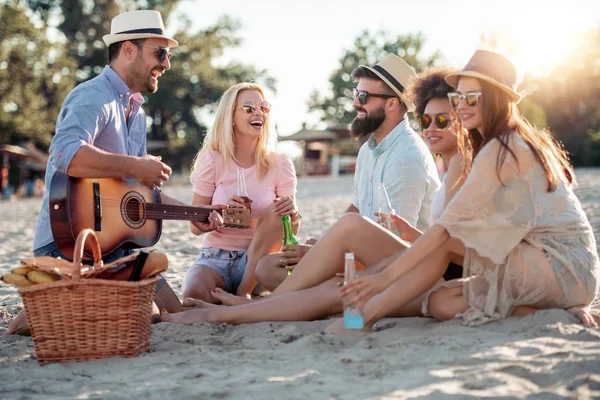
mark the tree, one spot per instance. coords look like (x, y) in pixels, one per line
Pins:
(35, 76)
(336, 107)
(570, 95)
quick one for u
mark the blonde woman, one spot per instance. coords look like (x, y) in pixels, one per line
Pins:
(241, 138)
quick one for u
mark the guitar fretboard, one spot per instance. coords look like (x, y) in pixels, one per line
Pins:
(175, 212)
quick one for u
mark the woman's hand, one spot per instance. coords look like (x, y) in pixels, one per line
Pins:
(361, 290)
(405, 230)
(236, 201)
(285, 206)
(215, 221)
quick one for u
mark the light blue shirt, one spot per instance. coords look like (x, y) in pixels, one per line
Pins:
(406, 167)
(92, 114)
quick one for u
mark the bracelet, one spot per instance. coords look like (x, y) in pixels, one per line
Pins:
(296, 217)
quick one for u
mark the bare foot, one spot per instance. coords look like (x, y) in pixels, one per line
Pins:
(584, 315)
(229, 299)
(19, 325)
(338, 327)
(189, 317)
(190, 304)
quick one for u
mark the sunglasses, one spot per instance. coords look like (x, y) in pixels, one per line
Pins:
(363, 96)
(472, 98)
(249, 107)
(161, 52)
(441, 121)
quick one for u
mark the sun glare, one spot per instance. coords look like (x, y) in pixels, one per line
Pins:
(538, 39)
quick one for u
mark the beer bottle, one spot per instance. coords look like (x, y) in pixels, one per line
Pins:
(288, 234)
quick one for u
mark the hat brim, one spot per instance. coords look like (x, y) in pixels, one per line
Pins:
(452, 80)
(409, 105)
(110, 39)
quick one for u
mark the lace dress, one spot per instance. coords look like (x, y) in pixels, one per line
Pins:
(523, 244)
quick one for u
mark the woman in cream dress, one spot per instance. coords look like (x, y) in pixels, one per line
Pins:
(526, 241)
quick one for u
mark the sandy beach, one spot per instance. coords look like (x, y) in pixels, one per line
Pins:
(546, 355)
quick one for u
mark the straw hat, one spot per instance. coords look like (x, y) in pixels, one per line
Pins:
(137, 25)
(397, 74)
(493, 68)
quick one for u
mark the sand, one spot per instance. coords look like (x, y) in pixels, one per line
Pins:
(546, 355)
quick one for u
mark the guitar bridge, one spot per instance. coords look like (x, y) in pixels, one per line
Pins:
(97, 208)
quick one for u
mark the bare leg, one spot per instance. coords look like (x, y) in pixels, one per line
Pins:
(411, 286)
(199, 281)
(351, 233)
(19, 325)
(267, 240)
(166, 299)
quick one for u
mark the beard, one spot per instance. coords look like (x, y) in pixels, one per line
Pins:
(139, 81)
(368, 124)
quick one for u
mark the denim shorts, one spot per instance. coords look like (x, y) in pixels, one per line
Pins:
(51, 250)
(229, 264)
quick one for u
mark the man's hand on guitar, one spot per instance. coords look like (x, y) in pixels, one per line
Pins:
(215, 221)
(151, 171)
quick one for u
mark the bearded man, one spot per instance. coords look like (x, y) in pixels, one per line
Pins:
(394, 154)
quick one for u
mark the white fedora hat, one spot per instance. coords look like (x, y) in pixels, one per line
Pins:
(397, 74)
(137, 25)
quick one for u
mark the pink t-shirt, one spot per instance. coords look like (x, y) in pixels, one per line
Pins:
(213, 179)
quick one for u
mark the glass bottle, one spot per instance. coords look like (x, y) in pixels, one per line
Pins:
(241, 188)
(385, 208)
(353, 318)
(288, 234)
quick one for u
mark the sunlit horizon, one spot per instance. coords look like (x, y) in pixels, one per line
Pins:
(300, 43)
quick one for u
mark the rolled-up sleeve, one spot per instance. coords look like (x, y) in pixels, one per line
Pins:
(78, 125)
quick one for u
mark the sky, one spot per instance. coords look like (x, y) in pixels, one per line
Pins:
(300, 43)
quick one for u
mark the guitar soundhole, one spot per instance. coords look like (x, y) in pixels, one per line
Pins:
(133, 210)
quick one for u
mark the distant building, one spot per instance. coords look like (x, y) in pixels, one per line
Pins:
(330, 151)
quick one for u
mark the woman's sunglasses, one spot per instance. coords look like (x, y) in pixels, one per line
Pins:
(441, 121)
(363, 96)
(249, 107)
(472, 98)
(161, 52)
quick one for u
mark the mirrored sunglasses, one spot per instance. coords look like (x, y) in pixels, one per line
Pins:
(363, 96)
(441, 121)
(471, 98)
(249, 107)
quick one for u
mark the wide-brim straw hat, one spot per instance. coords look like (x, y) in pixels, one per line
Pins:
(397, 74)
(139, 24)
(493, 68)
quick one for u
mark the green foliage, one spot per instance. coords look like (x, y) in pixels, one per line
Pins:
(369, 48)
(35, 76)
(533, 112)
(194, 83)
(38, 74)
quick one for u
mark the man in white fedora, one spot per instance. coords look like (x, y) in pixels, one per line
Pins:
(394, 154)
(101, 128)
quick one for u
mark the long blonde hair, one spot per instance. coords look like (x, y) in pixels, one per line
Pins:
(220, 136)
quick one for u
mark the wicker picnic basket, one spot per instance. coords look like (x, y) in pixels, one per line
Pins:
(85, 319)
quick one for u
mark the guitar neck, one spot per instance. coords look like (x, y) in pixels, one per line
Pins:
(176, 212)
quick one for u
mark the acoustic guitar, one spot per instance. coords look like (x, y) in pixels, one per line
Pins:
(122, 212)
